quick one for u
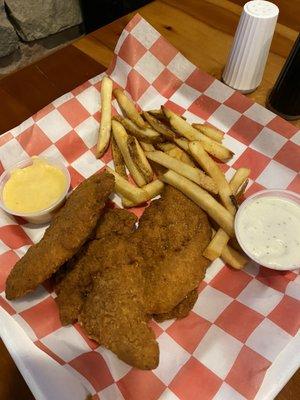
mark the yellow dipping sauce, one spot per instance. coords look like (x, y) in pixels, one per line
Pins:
(34, 188)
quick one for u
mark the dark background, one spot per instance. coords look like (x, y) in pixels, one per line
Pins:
(97, 13)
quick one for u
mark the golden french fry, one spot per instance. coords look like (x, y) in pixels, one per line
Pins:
(153, 189)
(204, 200)
(242, 189)
(158, 114)
(159, 126)
(239, 179)
(146, 122)
(128, 203)
(126, 189)
(118, 118)
(216, 245)
(175, 151)
(128, 107)
(220, 239)
(213, 170)
(228, 254)
(139, 158)
(233, 258)
(183, 128)
(217, 150)
(121, 138)
(181, 155)
(148, 135)
(105, 122)
(166, 146)
(147, 146)
(194, 174)
(210, 131)
(235, 244)
(118, 159)
(183, 144)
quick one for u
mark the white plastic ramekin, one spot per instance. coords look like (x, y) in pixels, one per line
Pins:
(46, 214)
(263, 193)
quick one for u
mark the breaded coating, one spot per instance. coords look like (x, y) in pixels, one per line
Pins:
(181, 310)
(162, 264)
(107, 249)
(68, 231)
(172, 233)
(113, 315)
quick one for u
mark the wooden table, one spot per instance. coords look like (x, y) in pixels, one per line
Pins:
(201, 29)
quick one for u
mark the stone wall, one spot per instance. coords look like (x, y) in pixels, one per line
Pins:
(8, 37)
(28, 20)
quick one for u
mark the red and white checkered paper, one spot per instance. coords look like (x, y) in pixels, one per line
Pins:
(242, 319)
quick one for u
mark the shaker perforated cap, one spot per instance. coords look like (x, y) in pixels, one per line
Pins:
(248, 56)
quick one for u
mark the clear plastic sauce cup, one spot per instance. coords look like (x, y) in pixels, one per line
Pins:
(46, 214)
(267, 227)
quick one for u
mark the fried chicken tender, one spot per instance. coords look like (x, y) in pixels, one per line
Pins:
(107, 249)
(68, 231)
(113, 315)
(172, 233)
(181, 310)
(162, 264)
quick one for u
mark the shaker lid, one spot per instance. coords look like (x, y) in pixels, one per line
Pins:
(261, 9)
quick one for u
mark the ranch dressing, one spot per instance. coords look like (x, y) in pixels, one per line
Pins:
(269, 229)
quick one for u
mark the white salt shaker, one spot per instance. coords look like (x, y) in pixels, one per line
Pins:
(248, 56)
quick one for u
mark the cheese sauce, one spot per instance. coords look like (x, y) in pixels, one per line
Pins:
(34, 188)
(269, 229)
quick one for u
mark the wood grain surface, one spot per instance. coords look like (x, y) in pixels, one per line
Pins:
(201, 29)
(28, 90)
(289, 14)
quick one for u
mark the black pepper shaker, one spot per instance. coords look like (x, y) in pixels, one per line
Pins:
(284, 98)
